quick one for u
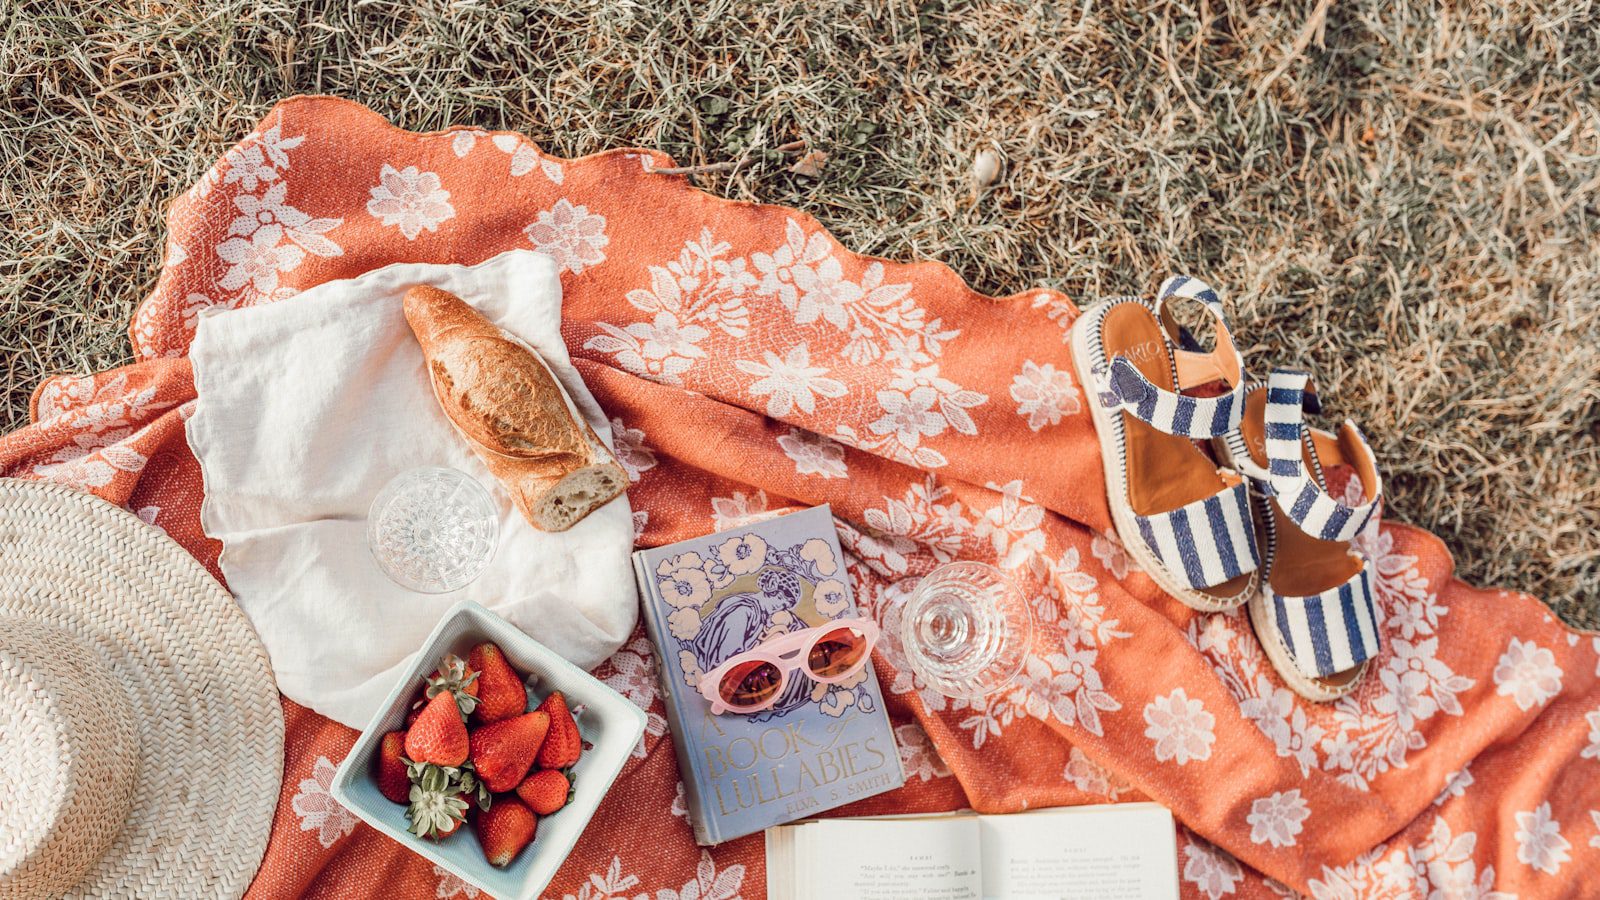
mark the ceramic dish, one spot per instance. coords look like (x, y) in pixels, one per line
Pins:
(611, 726)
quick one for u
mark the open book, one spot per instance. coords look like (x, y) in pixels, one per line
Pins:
(1124, 851)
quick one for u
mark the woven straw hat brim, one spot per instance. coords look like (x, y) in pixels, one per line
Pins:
(208, 719)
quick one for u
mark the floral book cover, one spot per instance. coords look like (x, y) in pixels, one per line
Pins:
(819, 746)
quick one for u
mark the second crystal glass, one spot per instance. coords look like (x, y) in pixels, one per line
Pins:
(965, 630)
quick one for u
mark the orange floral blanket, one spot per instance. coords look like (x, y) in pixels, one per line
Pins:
(751, 364)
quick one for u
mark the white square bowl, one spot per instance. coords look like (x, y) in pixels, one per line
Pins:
(610, 723)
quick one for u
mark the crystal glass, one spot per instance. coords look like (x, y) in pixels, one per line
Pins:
(965, 630)
(433, 529)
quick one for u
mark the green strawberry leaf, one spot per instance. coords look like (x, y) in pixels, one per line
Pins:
(454, 676)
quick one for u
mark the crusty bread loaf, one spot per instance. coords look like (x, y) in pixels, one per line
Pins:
(513, 412)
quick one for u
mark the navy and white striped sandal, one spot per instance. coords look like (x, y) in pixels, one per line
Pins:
(1186, 521)
(1314, 615)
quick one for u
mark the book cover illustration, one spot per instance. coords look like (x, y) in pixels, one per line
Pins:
(819, 746)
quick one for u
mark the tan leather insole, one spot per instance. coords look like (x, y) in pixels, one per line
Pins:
(1302, 565)
(1164, 471)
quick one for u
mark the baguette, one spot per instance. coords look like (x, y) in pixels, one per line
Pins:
(513, 413)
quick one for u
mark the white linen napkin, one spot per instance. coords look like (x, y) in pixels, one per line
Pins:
(307, 407)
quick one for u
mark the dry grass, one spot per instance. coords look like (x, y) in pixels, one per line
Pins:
(1401, 196)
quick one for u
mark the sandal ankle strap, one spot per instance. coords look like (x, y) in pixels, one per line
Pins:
(1198, 418)
(1194, 365)
(1300, 495)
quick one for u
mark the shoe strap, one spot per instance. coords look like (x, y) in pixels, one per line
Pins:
(1299, 493)
(1198, 418)
(1196, 366)
(1208, 542)
(1330, 632)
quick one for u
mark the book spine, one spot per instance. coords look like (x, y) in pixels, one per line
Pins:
(705, 831)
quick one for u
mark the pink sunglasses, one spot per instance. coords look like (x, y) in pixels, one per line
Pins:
(751, 681)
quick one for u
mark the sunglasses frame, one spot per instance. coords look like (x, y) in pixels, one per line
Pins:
(788, 653)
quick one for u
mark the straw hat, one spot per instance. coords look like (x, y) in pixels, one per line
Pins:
(141, 740)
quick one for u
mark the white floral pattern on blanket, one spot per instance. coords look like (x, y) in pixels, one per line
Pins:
(266, 239)
(524, 157)
(708, 291)
(105, 416)
(575, 237)
(706, 884)
(1092, 778)
(1180, 728)
(635, 457)
(1044, 395)
(450, 885)
(317, 809)
(1213, 871)
(813, 454)
(1539, 841)
(269, 236)
(631, 672)
(411, 200)
(918, 756)
(1277, 819)
(1528, 674)
(1441, 866)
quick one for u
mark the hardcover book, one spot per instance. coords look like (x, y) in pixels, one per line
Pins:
(818, 746)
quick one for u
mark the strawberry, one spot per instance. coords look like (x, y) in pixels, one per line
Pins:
(439, 735)
(504, 829)
(546, 791)
(500, 691)
(393, 781)
(457, 677)
(503, 752)
(437, 807)
(418, 704)
(563, 746)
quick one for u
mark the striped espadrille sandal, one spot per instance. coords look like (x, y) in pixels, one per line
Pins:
(1314, 614)
(1186, 522)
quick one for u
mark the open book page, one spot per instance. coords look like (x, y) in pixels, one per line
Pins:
(933, 858)
(1123, 851)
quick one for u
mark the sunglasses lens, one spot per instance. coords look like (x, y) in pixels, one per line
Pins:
(750, 684)
(837, 652)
